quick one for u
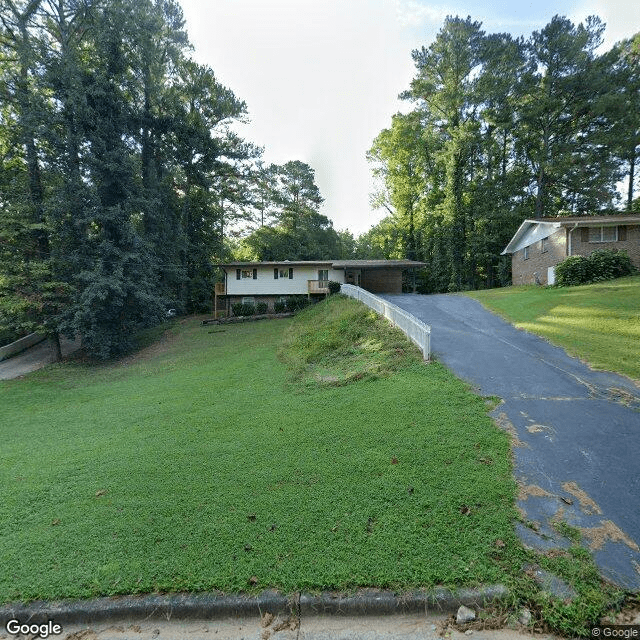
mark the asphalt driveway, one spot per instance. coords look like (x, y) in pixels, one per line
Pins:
(576, 431)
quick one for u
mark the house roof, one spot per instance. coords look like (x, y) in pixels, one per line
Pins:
(335, 264)
(532, 230)
(280, 263)
(529, 232)
(586, 221)
(372, 264)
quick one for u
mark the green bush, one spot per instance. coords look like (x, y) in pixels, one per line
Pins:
(262, 308)
(297, 302)
(280, 306)
(572, 271)
(603, 264)
(8, 335)
(607, 264)
(240, 309)
(334, 287)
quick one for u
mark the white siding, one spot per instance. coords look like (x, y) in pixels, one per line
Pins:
(536, 232)
(266, 285)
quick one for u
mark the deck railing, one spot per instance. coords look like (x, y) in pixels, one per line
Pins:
(416, 330)
(220, 289)
(318, 286)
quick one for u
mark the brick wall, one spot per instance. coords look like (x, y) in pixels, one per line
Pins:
(581, 247)
(525, 271)
(536, 265)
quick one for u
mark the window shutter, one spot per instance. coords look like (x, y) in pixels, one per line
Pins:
(584, 234)
(622, 233)
(255, 274)
(290, 273)
(238, 276)
(275, 274)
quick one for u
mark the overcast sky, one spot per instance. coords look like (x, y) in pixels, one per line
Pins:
(321, 77)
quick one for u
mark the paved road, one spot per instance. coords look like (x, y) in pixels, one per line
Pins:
(577, 431)
(35, 358)
(392, 627)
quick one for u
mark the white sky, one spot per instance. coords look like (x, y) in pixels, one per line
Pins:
(321, 77)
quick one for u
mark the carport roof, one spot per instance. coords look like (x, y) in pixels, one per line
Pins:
(377, 264)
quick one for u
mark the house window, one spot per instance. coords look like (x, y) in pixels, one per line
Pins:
(526, 253)
(544, 245)
(249, 300)
(603, 234)
(323, 274)
(247, 273)
(283, 273)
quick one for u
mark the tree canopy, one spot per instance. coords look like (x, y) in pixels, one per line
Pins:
(122, 180)
(502, 129)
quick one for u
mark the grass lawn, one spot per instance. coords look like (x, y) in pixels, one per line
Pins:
(207, 465)
(599, 323)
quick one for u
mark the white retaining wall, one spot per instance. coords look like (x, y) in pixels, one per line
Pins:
(20, 345)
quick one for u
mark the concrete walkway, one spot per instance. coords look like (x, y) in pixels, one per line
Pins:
(576, 431)
(35, 358)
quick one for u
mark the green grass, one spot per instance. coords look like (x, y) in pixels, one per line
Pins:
(599, 323)
(206, 465)
(339, 342)
(306, 454)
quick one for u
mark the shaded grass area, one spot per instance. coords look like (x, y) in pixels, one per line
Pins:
(599, 323)
(203, 468)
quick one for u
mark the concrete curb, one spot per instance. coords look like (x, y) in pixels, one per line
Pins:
(216, 606)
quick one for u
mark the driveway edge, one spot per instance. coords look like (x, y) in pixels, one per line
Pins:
(216, 606)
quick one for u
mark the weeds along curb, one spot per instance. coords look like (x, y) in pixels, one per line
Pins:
(217, 606)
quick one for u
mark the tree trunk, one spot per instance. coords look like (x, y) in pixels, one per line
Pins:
(54, 346)
(632, 168)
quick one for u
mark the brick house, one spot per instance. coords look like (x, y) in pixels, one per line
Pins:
(539, 245)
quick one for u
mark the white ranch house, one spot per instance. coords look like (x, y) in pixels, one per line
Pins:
(270, 282)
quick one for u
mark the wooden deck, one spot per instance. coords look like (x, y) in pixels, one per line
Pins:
(318, 286)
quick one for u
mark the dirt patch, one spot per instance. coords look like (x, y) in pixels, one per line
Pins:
(526, 491)
(540, 428)
(168, 339)
(85, 634)
(587, 505)
(623, 397)
(505, 424)
(607, 530)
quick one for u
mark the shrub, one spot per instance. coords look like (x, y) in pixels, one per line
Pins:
(8, 335)
(240, 309)
(334, 287)
(603, 264)
(262, 308)
(297, 302)
(280, 306)
(572, 271)
(606, 264)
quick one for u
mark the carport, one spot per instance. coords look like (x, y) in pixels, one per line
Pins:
(380, 276)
